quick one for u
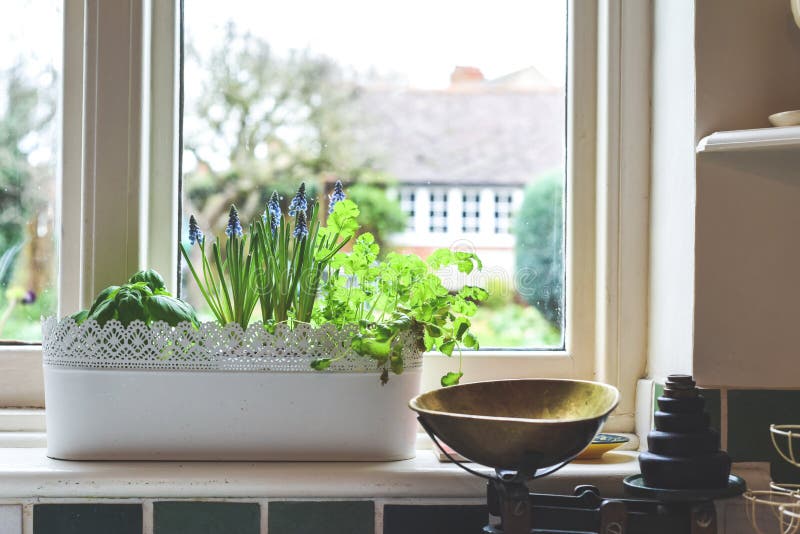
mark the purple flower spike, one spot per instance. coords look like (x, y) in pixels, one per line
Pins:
(234, 227)
(299, 202)
(301, 225)
(195, 234)
(274, 209)
(337, 195)
(29, 298)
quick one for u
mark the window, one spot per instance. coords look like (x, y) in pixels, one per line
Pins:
(471, 212)
(502, 212)
(407, 204)
(30, 70)
(438, 212)
(494, 134)
(284, 100)
(120, 141)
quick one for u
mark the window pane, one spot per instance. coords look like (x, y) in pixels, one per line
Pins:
(30, 65)
(454, 120)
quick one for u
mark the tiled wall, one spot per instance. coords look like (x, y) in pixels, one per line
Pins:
(743, 417)
(243, 517)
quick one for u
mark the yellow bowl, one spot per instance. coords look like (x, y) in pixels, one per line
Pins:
(601, 444)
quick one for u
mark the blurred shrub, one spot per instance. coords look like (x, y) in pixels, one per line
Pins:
(380, 215)
(539, 229)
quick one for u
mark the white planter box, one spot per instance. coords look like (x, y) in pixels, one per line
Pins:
(123, 405)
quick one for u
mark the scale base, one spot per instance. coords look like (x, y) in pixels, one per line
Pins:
(586, 512)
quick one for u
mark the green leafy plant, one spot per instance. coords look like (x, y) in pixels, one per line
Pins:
(144, 298)
(304, 274)
(292, 262)
(401, 293)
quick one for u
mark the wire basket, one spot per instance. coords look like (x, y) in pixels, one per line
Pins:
(786, 440)
(785, 488)
(780, 506)
(790, 518)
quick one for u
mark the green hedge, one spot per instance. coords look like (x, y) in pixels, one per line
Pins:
(539, 229)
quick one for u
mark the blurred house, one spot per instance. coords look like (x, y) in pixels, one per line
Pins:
(463, 155)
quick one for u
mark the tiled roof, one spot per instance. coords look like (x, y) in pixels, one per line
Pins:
(491, 134)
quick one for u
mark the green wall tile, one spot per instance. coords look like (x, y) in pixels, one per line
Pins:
(328, 517)
(196, 517)
(434, 519)
(782, 471)
(87, 519)
(750, 412)
(713, 406)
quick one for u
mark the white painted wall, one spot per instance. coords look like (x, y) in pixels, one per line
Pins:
(748, 204)
(671, 291)
(724, 251)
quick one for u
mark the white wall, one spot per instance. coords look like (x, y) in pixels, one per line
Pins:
(725, 257)
(671, 298)
(748, 204)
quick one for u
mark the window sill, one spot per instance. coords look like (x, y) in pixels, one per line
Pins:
(28, 473)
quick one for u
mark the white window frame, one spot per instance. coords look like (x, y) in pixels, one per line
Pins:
(117, 214)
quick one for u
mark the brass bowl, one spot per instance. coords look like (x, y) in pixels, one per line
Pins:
(498, 423)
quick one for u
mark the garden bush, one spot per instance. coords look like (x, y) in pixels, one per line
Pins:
(539, 230)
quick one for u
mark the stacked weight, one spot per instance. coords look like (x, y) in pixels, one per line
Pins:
(683, 451)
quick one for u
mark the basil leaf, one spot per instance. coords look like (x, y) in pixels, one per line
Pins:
(130, 308)
(169, 309)
(108, 293)
(150, 277)
(103, 312)
(80, 316)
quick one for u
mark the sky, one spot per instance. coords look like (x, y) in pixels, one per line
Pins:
(31, 32)
(32, 29)
(420, 39)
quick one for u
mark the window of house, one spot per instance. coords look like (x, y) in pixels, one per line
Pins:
(30, 70)
(471, 212)
(407, 204)
(503, 202)
(437, 213)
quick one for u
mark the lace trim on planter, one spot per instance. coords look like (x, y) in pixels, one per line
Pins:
(209, 348)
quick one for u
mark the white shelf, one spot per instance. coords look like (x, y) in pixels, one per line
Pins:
(761, 139)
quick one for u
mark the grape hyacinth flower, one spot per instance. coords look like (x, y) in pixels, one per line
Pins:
(29, 297)
(234, 227)
(337, 195)
(195, 234)
(274, 209)
(299, 202)
(300, 225)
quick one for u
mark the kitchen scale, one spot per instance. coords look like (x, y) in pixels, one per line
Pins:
(529, 428)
